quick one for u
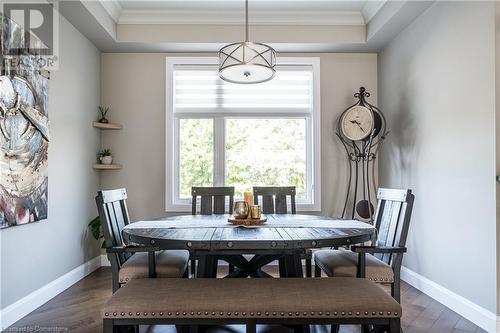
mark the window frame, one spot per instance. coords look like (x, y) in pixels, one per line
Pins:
(173, 203)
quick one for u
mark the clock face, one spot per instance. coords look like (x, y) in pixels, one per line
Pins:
(357, 123)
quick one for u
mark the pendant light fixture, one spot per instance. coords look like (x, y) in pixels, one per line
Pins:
(247, 62)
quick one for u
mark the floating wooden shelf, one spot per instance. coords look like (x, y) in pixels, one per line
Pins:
(107, 126)
(107, 166)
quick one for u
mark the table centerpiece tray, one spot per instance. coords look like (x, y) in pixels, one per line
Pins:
(247, 222)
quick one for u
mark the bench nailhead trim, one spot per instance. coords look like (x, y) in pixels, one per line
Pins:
(259, 313)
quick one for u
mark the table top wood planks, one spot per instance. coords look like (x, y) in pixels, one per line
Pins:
(282, 232)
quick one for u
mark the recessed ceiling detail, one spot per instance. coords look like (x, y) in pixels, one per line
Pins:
(268, 12)
(207, 25)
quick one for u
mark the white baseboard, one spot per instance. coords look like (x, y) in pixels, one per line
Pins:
(12, 313)
(105, 261)
(480, 316)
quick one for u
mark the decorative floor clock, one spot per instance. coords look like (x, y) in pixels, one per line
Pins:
(361, 128)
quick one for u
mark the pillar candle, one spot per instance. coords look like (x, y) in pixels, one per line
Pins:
(248, 196)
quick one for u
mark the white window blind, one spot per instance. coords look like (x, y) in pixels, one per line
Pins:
(198, 89)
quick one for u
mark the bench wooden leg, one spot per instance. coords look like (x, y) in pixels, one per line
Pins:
(395, 325)
(251, 328)
(107, 325)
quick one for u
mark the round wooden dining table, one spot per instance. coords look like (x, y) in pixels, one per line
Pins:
(284, 237)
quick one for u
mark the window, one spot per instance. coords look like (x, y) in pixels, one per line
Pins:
(225, 134)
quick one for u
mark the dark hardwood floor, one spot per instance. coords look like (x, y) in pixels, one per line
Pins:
(77, 310)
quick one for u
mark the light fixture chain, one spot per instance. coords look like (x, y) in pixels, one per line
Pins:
(246, 20)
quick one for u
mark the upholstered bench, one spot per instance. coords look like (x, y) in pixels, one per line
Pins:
(290, 301)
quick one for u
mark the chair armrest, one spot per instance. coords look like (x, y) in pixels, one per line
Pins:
(378, 249)
(131, 249)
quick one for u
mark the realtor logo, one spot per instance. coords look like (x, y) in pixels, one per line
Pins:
(30, 29)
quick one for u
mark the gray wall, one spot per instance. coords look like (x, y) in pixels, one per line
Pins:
(36, 254)
(436, 85)
(133, 85)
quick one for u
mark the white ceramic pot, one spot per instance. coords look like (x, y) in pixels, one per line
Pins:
(106, 160)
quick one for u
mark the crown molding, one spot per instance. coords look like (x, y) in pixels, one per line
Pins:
(113, 8)
(237, 17)
(371, 8)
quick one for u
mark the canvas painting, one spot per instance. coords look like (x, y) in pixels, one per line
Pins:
(24, 134)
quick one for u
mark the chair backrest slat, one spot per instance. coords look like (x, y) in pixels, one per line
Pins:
(274, 199)
(392, 218)
(113, 214)
(213, 200)
(219, 204)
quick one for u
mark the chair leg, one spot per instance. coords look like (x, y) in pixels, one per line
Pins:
(395, 325)
(193, 267)
(334, 328)
(308, 267)
(365, 329)
(317, 271)
(282, 267)
(396, 290)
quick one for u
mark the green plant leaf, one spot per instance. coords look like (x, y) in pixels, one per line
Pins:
(95, 228)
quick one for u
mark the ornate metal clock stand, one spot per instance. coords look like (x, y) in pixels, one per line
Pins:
(361, 154)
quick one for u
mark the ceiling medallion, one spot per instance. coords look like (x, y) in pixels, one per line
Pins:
(247, 62)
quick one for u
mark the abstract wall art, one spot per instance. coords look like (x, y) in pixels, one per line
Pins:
(24, 135)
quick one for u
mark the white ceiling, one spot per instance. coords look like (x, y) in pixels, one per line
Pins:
(334, 12)
(239, 4)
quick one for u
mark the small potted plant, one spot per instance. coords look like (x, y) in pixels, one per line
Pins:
(105, 156)
(103, 111)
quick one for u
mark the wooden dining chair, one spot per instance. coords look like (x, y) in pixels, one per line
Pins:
(383, 262)
(212, 201)
(274, 201)
(132, 262)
